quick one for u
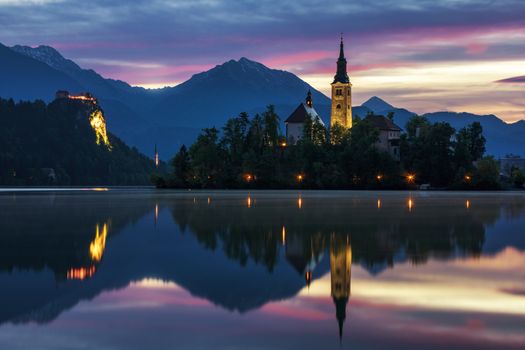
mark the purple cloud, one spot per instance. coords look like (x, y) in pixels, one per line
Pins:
(513, 80)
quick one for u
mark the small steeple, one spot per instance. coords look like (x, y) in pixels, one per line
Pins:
(156, 157)
(309, 99)
(341, 75)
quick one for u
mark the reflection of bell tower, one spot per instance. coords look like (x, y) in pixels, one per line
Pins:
(340, 273)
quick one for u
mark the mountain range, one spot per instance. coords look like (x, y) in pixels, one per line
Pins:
(172, 116)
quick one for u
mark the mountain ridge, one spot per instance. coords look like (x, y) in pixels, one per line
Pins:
(172, 116)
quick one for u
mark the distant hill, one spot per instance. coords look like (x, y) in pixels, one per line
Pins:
(172, 116)
(502, 138)
(65, 143)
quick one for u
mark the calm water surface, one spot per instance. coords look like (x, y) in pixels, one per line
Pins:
(123, 269)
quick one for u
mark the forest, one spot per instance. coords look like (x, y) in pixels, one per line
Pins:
(251, 152)
(64, 143)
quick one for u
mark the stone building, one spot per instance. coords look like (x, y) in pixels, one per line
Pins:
(389, 135)
(295, 122)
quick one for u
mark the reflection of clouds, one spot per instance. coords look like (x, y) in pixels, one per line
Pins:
(473, 285)
(493, 284)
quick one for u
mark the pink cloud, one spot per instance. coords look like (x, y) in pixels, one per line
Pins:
(476, 48)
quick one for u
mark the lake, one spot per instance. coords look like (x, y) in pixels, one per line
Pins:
(135, 269)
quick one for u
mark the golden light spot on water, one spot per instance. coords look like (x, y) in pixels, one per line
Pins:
(209, 200)
(379, 204)
(410, 204)
(156, 212)
(97, 246)
(299, 202)
(283, 235)
(249, 202)
(80, 273)
(467, 204)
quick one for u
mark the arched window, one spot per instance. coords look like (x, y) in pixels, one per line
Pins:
(338, 107)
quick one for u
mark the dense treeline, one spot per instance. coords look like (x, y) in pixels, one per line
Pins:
(55, 145)
(252, 153)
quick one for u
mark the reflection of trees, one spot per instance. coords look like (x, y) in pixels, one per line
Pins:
(438, 227)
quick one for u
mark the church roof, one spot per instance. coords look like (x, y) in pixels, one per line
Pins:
(382, 123)
(301, 113)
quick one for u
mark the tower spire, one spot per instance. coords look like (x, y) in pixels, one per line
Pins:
(341, 48)
(341, 76)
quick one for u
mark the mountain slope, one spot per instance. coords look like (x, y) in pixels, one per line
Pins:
(24, 78)
(65, 143)
(88, 78)
(211, 97)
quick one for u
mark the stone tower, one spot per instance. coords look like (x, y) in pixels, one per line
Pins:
(341, 93)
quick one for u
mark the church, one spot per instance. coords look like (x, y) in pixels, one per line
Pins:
(341, 112)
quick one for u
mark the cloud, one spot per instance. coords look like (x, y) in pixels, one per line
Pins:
(302, 37)
(513, 80)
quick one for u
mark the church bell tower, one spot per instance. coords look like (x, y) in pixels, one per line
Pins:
(341, 112)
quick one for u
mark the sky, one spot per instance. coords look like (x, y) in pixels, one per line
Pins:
(423, 55)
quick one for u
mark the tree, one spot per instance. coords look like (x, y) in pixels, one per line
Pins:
(182, 166)
(255, 137)
(427, 150)
(338, 134)
(207, 157)
(486, 175)
(517, 177)
(271, 126)
(318, 132)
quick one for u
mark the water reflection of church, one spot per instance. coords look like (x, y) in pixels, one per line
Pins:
(305, 254)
